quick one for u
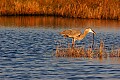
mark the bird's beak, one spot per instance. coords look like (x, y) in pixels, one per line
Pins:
(93, 37)
(94, 32)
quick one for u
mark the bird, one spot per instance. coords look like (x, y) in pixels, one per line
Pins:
(76, 34)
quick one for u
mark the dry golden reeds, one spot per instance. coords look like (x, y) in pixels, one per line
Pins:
(99, 9)
(81, 52)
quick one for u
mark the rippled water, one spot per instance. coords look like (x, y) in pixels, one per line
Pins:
(26, 51)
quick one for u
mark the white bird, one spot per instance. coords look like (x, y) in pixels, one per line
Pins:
(76, 34)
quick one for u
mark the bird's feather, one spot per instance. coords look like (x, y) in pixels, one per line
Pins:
(70, 33)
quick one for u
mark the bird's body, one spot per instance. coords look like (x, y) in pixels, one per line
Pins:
(76, 34)
(70, 33)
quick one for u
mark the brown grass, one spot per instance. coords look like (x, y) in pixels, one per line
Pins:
(86, 53)
(95, 9)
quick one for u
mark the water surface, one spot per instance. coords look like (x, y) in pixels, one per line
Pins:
(27, 45)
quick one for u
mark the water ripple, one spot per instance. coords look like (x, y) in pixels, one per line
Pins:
(27, 54)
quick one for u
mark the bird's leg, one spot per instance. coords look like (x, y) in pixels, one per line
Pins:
(73, 43)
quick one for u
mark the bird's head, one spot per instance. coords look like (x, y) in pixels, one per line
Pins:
(90, 30)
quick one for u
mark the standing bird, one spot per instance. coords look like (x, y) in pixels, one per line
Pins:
(76, 34)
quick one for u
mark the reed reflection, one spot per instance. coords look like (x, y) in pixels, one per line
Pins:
(55, 22)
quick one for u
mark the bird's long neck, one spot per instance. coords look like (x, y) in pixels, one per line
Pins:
(82, 35)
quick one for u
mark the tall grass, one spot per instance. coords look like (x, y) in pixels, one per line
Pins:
(99, 9)
(82, 52)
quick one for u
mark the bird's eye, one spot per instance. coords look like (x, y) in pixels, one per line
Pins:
(78, 35)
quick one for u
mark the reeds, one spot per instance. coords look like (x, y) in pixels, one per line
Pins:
(99, 9)
(82, 52)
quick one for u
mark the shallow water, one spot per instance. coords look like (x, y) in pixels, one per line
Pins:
(27, 45)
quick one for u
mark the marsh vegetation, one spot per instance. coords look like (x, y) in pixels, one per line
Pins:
(94, 9)
(82, 52)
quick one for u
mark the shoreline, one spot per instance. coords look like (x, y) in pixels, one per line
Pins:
(56, 16)
(82, 9)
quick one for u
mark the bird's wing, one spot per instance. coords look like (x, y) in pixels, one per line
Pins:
(70, 33)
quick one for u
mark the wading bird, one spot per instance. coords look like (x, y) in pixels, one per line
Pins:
(76, 34)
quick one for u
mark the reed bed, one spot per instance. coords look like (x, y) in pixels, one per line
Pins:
(82, 52)
(93, 9)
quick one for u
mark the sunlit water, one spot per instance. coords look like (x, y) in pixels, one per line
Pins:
(27, 47)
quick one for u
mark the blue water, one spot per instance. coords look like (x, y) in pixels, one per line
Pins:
(28, 54)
